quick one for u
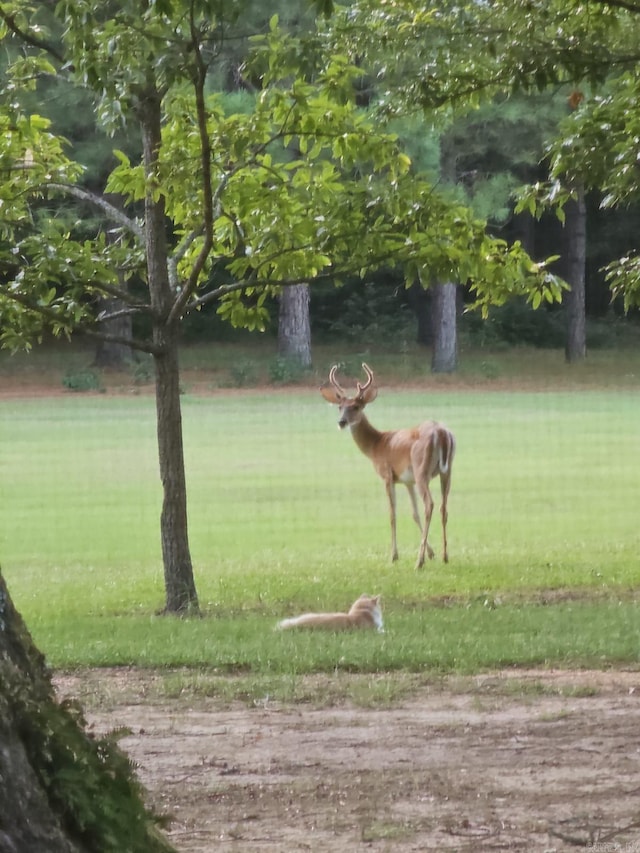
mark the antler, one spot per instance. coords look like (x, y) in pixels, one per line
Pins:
(334, 381)
(369, 372)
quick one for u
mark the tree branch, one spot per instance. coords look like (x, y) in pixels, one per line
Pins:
(139, 345)
(29, 38)
(110, 210)
(226, 289)
(186, 293)
(634, 8)
(122, 295)
(54, 318)
(42, 310)
(106, 316)
(200, 76)
(179, 253)
(331, 273)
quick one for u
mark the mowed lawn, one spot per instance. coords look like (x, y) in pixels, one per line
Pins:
(286, 515)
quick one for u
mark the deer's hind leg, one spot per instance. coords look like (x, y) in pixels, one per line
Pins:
(445, 485)
(428, 512)
(422, 460)
(414, 504)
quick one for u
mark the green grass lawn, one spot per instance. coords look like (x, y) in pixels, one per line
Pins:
(286, 515)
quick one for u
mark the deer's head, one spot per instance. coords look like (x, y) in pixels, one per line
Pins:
(350, 408)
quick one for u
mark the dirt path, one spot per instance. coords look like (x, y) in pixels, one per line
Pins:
(535, 763)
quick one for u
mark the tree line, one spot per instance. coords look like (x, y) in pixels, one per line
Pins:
(484, 153)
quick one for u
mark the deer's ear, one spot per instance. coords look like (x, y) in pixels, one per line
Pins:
(330, 394)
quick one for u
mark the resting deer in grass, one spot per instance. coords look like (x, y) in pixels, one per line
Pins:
(412, 457)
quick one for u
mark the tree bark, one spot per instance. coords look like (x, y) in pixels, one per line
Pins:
(60, 790)
(180, 589)
(444, 358)
(294, 329)
(420, 300)
(575, 304)
(445, 333)
(27, 821)
(181, 596)
(524, 229)
(109, 353)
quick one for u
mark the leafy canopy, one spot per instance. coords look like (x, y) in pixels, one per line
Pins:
(447, 58)
(301, 186)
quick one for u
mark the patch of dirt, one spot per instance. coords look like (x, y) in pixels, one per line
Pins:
(525, 761)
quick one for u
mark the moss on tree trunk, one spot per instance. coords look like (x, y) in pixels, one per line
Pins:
(61, 790)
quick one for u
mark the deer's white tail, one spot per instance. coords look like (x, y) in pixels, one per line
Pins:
(290, 623)
(446, 447)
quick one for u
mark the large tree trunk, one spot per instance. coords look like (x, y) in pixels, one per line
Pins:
(420, 300)
(294, 329)
(524, 229)
(445, 329)
(444, 358)
(576, 243)
(181, 596)
(110, 353)
(61, 790)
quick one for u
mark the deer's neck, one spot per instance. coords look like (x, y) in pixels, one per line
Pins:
(365, 436)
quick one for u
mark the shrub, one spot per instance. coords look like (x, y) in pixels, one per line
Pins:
(82, 379)
(243, 373)
(142, 370)
(285, 370)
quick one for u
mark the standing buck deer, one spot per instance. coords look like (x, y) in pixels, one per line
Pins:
(409, 456)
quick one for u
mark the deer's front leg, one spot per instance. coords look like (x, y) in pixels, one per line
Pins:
(391, 494)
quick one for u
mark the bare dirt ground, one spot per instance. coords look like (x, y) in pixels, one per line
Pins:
(530, 761)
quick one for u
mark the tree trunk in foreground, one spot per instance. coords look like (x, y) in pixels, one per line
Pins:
(445, 331)
(180, 589)
(61, 790)
(294, 329)
(575, 306)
